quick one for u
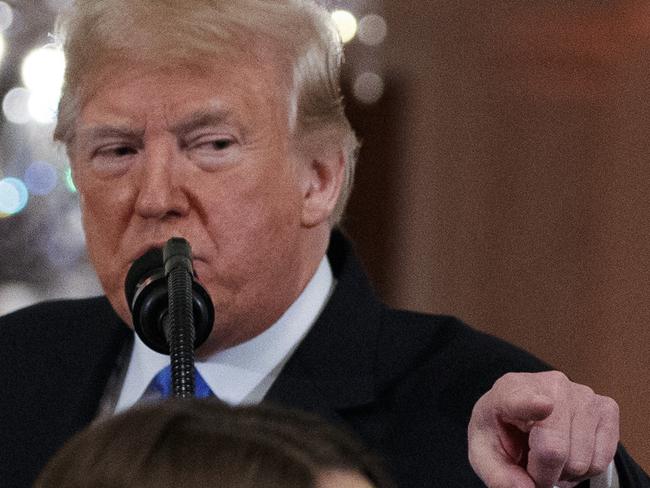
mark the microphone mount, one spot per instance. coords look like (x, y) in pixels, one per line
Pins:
(172, 313)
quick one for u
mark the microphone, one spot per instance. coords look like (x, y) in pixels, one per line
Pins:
(148, 296)
(164, 298)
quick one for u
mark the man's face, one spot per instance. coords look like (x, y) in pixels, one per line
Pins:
(203, 154)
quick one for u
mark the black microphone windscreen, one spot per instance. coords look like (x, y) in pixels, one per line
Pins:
(146, 265)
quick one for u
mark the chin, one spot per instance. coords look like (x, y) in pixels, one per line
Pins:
(117, 299)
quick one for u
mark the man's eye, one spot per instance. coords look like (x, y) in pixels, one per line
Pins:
(221, 144)
(212, 152)
(124, 151)
(115, 151)
(113, 159)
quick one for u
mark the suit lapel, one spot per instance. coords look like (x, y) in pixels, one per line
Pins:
(333, 368)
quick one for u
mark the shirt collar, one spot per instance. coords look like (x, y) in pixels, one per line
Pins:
(245, 372)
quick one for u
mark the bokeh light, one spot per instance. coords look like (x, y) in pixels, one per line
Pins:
(368, 87)
(13, 196)
(69, 182)
(65, 244)
(42, 73)
(15, 105)
(346, 24)
(15, 295)
(40, 178)
(372, 30)
(43, 68)
(42, 106)
(6, 16)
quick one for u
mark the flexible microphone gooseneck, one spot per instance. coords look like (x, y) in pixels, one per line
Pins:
(172, 313)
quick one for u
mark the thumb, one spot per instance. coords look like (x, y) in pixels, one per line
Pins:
(523, 410)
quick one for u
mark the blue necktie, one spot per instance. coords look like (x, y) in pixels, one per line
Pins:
(161, 386)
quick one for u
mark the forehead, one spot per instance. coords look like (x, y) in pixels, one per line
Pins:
(244, 87)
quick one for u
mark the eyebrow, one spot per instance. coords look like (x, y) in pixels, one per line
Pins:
(107, 131)
(195, 120)
(202, 118)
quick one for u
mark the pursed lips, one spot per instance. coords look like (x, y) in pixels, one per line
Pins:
(196, 259)
(142, 250)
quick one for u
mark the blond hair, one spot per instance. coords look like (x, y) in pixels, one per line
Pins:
(299, 32)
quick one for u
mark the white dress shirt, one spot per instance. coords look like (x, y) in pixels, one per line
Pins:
(244, 373)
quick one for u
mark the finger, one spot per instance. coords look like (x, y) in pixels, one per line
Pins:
(524, 409)
(494, 466)
(549, 443)
(584, 423)
(517, 397)
(607, 436)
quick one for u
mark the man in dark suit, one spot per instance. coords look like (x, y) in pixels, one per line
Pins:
(221, 122)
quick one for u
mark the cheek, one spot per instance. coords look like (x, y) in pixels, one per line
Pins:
(105, 203)
(101, 219)
(245, 228)
(105, 215)
(92, 216)
(100, 238)
(263, 196)
(252, 223)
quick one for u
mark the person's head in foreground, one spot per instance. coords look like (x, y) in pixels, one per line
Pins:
(204, 443)
(218, 121)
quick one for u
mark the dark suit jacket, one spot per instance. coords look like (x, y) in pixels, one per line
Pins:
(404, 382)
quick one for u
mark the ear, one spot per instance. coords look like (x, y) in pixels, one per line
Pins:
(322, 180)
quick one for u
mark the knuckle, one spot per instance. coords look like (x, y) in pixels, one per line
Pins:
(507, 386)
(558, 378)
(557, 375)
(552, 454)
(598, 465)
(576, 468)
(585, 392)
(506, 379)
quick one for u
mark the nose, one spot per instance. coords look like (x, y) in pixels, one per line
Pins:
(160, 189)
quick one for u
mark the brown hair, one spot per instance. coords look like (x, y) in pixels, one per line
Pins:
(199, 443)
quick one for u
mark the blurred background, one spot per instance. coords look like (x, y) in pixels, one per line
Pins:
(504, 176)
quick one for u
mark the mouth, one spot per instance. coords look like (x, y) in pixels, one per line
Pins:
(142, 250)
(144, 265)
